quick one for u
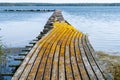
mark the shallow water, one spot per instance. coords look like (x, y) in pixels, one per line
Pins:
(17, 29)
(8, 59)
(99, 22)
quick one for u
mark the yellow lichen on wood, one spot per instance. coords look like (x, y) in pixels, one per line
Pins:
(63, 24)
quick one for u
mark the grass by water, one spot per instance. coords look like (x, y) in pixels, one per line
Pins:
(113, 62)
(1, 49)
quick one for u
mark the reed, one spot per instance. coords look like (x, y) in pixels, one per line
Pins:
(1, 49)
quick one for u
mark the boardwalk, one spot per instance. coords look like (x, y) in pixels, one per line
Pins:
(64, 53)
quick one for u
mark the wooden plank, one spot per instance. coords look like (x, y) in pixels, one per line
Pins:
(62, 56)
(55, 64)
(36, 39)
(44, 60)
(91, 61)
(23, 54)
(6, 74)
(55, 69)
(23, 65)
(31, 62)
(68, 66)
(73, 60)
(33, 42)
(39, 36)
(33, 71)
(19, 59)
(86, 62)
(26, 49)
(48, 72)
(14, 65)
(82, 69)
(91, 48)
(21, 68)
(95, 57)
(29, 46)
(37, 62)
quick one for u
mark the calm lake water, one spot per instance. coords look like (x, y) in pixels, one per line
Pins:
(101, 23)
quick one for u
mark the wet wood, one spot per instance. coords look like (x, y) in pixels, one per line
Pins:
(23, 54)
(17, 65)
(33, 42)
(6, 74)
(19, 59)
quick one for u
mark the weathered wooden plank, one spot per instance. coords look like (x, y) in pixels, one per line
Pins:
(38, 60)
(6, 74)
(78, 56)
(73, 60)
(28, 66)
(36, 39)
(19, 59)
(55, 69)
(55, 63)
(29, 46)
(91, 61)
(31, 62)
(14, 65)
(94, 55)
(27, 58)
(39, 36)
(44, 60)
(33, 42)
(68, 66)
(48, 73)
(21, 68)
(33, 71)
(23, 54)
(86, 62)
(62, 56)
(26, 49)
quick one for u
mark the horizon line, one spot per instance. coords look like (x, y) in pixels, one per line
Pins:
(63, 3)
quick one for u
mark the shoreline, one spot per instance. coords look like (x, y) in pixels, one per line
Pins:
(112, 62)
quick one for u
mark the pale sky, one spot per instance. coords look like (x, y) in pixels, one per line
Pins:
(64, 1)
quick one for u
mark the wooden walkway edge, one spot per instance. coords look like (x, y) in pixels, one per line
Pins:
(60, 53)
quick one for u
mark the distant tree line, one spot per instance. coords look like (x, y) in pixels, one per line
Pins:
(65, 4)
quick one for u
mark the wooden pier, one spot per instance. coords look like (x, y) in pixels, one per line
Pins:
(60, 53)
